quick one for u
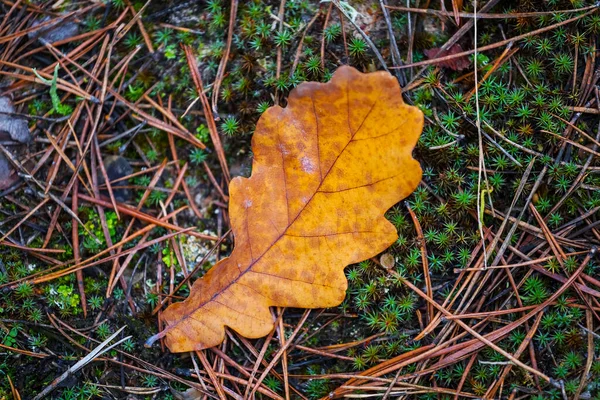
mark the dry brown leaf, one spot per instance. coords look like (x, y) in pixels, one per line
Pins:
(325, 170)
(456, 64)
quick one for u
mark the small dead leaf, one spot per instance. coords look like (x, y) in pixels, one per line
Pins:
(456, 64)
(15, 127)
(55, 32)
(325, 170)
(8, 176)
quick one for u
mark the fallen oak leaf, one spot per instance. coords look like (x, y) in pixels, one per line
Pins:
(325, 170)
(456, 64)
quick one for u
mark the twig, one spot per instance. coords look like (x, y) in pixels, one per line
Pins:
(99, 350)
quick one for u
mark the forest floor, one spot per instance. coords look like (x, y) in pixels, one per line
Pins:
(121, 122)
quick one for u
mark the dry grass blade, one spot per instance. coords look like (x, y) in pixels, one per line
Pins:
(96, 352)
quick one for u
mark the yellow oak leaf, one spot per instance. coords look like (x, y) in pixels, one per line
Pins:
(325, 170)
